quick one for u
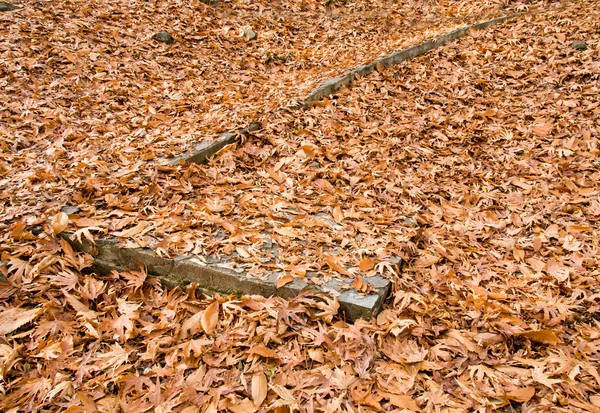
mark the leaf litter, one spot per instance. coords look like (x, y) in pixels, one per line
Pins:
(476, 165)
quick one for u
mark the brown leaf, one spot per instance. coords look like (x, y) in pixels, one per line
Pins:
(540, 336)
(338, 215)
(259, 388)
(284, 281)
(521, 395)
(426, 260)
(262, 351)
(60, 222)
(13, 318)
(210, 317)
(366, 264)
(402, 401)
(288, 232)
(331, 261)
(542, 130)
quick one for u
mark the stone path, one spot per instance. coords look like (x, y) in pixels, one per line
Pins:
(218, 275)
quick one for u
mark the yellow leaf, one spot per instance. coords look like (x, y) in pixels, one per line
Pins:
(284, 280)
(540, 336)
(366, 264)
(521, 395)
(210, 317)
(259, 388)
(60, 222)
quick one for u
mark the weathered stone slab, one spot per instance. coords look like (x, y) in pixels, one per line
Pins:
(203, 151)
(331, 86)
(183, 270)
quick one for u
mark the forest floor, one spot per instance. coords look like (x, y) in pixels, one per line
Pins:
(476, 164)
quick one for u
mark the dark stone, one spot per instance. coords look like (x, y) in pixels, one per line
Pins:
(37, 230)
(164, 37)
(70, 210)
(7, 6)
(579, 45)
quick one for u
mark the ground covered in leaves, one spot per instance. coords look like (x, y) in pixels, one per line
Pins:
(476, 164)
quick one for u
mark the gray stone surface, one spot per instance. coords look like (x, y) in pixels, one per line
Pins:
(331, 86)
(250, 34)
(579, 45)
(215, 277)
(7, 6)
(70, 209)
(164, 37)
(202, 152)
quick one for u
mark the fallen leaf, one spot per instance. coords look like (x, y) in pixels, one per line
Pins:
(210, 317)
(60, 222)
(540, 336)
(284, 281)
(13, 318)
(333, 264)
(259, 388)
(402, 401)
(521, 395)
(262, 351)
(366, 264)
(426, 260)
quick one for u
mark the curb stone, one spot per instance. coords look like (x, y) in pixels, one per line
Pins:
(183, 270)
(202, 152)
(331, 86)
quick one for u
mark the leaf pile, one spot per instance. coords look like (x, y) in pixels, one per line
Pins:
(476, 164)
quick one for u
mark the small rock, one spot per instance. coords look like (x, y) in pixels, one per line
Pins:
(37, 230)
(249, 34)
(7, 6)
(164, 37)
(70, 210)
(579, 45)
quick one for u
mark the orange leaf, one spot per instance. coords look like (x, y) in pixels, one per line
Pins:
(521, 395)
(210, 317)
(230, 226)
(336, 267)
(263, 351)
(560, 272)
(288, 232)
(60, 222)
(13, 318)
(284, 280)
(366, 264)
(401, 401)
(132, 232)
(426, 260)
(541, 130)
(540, 336)
(259, 388)
(338, 215)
